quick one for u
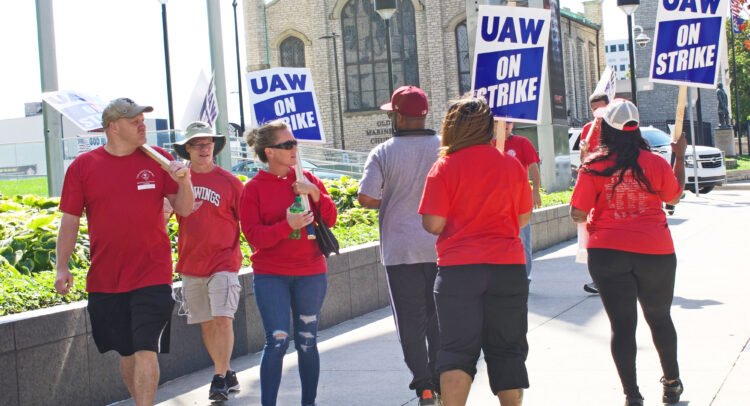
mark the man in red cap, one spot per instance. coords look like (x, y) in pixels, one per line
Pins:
(394, 175)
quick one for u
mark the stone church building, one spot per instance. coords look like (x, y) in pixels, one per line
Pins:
(429, 45)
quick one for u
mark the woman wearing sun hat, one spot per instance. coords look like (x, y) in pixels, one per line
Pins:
(631, 256)
(208, 248)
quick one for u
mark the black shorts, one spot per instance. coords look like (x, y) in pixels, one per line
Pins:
(484, 307)
(132, 321)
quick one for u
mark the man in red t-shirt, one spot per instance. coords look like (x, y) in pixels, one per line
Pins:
(592, 129)
(208, 248)
(522, 149)
(129, 282)
(590, 144)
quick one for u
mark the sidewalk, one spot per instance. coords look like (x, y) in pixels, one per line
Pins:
(569, 361)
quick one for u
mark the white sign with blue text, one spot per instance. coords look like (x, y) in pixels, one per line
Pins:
(510, 60)
(83, 109)
(286, 94)
(687, 46)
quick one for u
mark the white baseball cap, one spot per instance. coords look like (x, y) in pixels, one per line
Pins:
(620, 112)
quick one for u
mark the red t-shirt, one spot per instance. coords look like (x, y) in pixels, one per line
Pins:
(522, 149)
(265, 199)
(124, 202)
(209, 238)
(480, 191)
(593, 139)
(632, 220)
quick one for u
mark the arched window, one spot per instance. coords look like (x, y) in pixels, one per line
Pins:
(462, 51)
(292, 52)
(365, 57)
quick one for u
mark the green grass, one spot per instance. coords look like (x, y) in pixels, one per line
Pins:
(29, 186)
(557, 198)
(743, 162)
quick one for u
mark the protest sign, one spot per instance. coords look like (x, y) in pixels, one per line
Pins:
(607, 83)
(510, 59)
(82, 109)
(687, 43)
(286, 94)
(202, 105)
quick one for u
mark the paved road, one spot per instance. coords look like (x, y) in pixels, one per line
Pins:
(569, 361)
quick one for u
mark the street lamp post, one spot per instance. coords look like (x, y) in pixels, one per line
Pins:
(166, 64)
(239, 74)
(629, 7)
(386, 9)
(338, 85)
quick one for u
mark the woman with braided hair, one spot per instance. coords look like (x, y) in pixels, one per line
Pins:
(475, 199)
(631, 256)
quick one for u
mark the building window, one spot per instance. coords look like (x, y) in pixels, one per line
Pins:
(365, 58)
(622, 68)
(462, 51)
(621, 47)
(292, 52)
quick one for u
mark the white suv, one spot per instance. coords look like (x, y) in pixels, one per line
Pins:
(711, 169)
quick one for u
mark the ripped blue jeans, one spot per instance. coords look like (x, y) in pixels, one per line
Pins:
(275, 295)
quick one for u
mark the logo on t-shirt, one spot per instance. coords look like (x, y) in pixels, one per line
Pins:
(145, 180)
(204, 193)
(511, 152)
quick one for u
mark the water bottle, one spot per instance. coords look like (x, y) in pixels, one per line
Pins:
(296, 207)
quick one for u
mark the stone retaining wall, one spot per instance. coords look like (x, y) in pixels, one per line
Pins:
(47, 356)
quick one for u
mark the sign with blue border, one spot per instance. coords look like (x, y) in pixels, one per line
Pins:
(286, 94)
(687, 43)
(510, 61)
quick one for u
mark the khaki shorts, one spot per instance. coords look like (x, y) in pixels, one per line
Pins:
(206, 298)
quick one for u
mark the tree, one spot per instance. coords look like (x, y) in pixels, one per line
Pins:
(742, 54)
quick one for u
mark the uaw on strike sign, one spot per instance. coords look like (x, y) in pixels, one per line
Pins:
(286, 94)
(510, 60)
(687, 44)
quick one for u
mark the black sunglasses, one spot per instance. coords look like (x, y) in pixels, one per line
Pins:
(285, 145)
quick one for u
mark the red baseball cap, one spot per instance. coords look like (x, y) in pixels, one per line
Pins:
(409, 101)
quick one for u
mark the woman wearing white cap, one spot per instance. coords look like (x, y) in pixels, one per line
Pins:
(618, 194)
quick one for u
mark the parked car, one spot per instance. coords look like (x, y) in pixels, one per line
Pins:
(249, 168)
(711, 168)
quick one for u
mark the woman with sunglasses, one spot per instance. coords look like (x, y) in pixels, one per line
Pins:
(475, 199)
(631, 256)
(288, 273)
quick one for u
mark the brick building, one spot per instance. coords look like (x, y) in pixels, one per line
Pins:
(429, 48)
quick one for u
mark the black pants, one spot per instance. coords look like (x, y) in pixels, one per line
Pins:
(484, 307)
(410, 288)
(625, 278)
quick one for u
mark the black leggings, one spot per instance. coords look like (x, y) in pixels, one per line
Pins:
(625, 278)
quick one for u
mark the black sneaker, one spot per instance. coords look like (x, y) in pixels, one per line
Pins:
(219, 391)
(672, 391)
(428, 398)
(232, 383)
(591, 288)
(634, 400)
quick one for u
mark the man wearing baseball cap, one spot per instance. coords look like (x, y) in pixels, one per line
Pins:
(121, 191)
(209, 254)
(394, 176)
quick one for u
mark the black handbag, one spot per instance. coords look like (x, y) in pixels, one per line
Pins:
(327, 242)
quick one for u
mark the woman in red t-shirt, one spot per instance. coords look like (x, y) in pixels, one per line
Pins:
(631, 256)
(475, 199)
(288, 272)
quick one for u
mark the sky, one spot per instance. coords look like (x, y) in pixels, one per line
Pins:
(114, 48)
